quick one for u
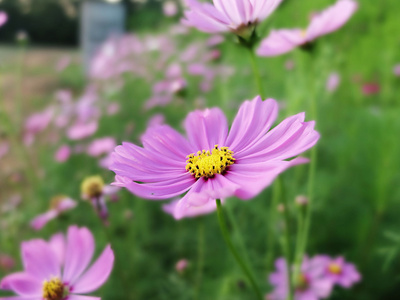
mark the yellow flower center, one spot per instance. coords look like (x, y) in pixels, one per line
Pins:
(207, 164)
(54, 289)
(335, 268)
(92, 186)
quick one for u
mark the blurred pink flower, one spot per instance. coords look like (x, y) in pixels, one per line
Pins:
(63, 63)
(311, 283)
(36, 123)
(370, 88)
(212, 164)
(396, 70)
(113, 108)
(3, 18)
(11, 203)
(181, 265)
(101, 146)
(63, 153)
(106, 161)
(58, 205)
(6, 262)
(81, 131)
(170, 8)
(215, 40)
(333, 82)
(329, 20)
(339, 271)
(289, 64)
(4, 148)
(60, 270)
(156, 120)
(239, 16)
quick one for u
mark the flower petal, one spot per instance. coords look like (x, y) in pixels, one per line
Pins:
(80, 248)
(22, 298)
(41, 220)
(39, 259)
(263, 8)
(331, 18)
(253, 178)
(190, 211)
(157, 190)
(58, 245)
(290, 138)
(166, 142)
(207, 128)
(144, 165)
(97, 274)
(251, 122)
(81, 297)
(23, 284)
(200, 199)
(205, 17)
(281, 41)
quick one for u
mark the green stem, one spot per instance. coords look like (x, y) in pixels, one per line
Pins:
(304, 232)
(256, 72)
(286, 241)
(200, 256)
(239, 260)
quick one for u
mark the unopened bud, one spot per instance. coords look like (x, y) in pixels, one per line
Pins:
(281, 208)
(301, 200)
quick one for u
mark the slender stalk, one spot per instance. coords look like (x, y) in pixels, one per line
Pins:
(256, 72)
(239, 260)
(286, 241)
(304, 231)
(200, 256)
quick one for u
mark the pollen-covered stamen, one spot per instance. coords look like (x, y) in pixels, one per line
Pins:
(207, 164)
(335, 268)
(92, 187)
(54, 289)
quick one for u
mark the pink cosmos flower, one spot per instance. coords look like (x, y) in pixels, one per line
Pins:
(3, 18)
(170, 8)
(58, 205)
(333, 82)
(329, 20)
(215, 40)
(311, 283)
(63, 63)
(101, 146)
(181, 265)
(36, 123)
(156, 120)
(213, 163)
(370, 88)
(81, 131)
(6, 262)
(396, 70)
(63, 153)
(238, 16)
(4, 148)
(59, 269)
(339, 271)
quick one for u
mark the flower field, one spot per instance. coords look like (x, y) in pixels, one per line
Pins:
(244, 149)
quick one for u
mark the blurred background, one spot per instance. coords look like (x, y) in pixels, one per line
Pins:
(79, 77)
